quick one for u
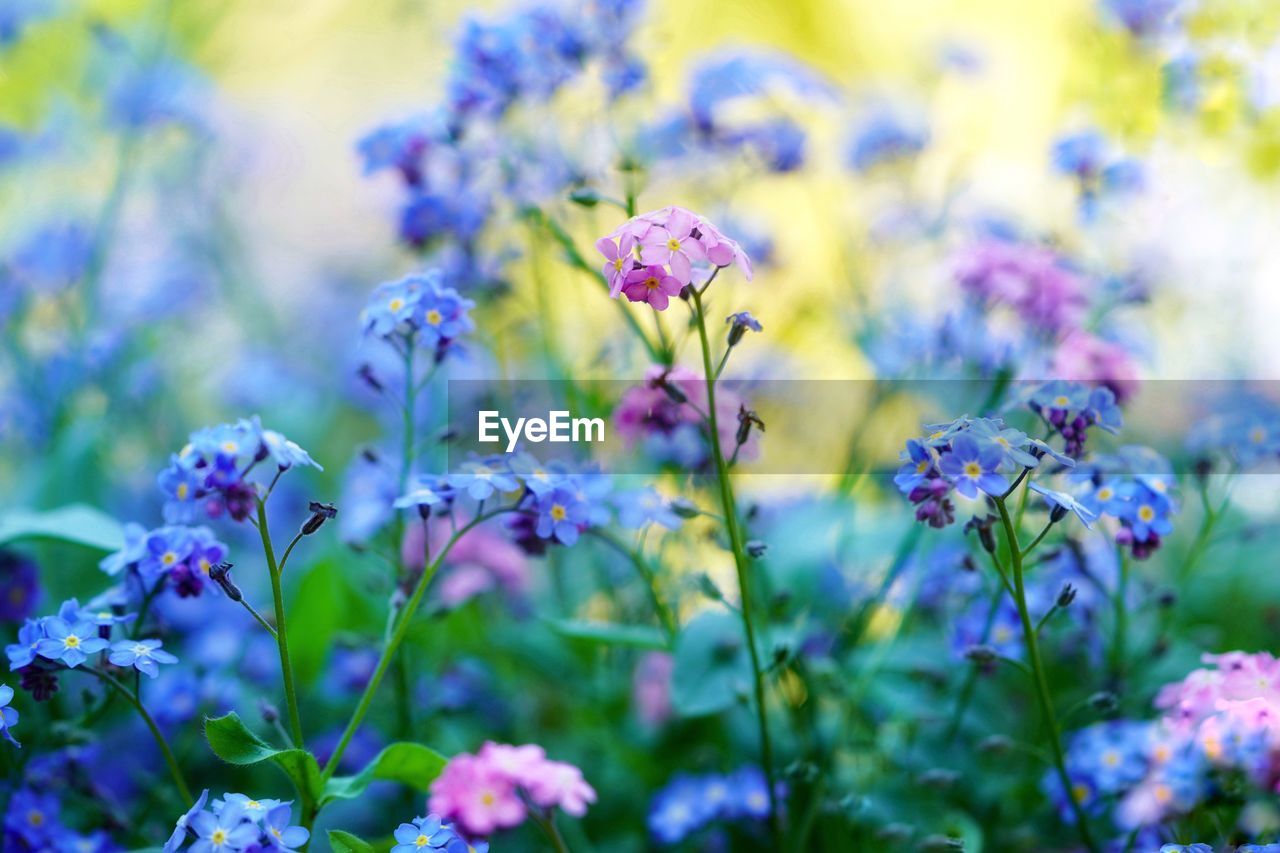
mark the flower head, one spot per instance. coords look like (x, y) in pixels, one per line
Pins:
(973, 468)
(142, 655)
(8, 715)
(423, 835)
(70, 643)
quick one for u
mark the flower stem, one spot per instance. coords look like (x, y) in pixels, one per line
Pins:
(282, 634)
(1038, 677)
(740, 564)
(661, 610)
(133, 700)
(393, 642)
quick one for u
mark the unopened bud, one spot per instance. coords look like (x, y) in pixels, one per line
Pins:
(367, 375)
(981, 654)
(585, 196)
(1104, 701)
(673, 392)
(1066, 595)
(894, 833)
(1058, 513)
(684, 508)
(746, 420)
(270, 713)
(320, 513)
(987, 538)
(708, 588)
(995, 745)
(756, 548)
(220, 574)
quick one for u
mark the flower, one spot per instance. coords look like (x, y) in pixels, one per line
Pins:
(24, 651)
(619, 260)
(562, 515)
(639, 508)
(688, 803)
(142, 655)
(424, 833)
(421, 308)
(278, 832)
(1066, 502)
(973, 468)
(20, 579)
(430, 491)
(487, 791)
(885, 137)
(651, 284)
(481, 479)
(223, 832)
(739, 324)
(180, 827)
(8, 715)
(69, 643)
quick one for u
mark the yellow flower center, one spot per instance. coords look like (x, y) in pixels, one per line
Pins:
(1257, 434)
(35, 817)
(651, 282)
(420, 841)
(396, 304)
(488, 798)
(182, 491)
(71, 641)
(434, 317)
(1061, 401)
(673, 244)
(1110, 758)
(618, 262)
(972, 470)
(1163, 794)
(169, 558)
(141, 650)
(219, 836)
(558, 512)
(1080, 792)
(1146, 513)
(1104, 494)
(205, 565)
(230, 447)
(922, 467)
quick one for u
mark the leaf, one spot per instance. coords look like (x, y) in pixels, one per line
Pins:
(606, 633)
(345, 842)
(712, 667)
(410, 764)
(318, 610)
(232, 741)
(79, 524)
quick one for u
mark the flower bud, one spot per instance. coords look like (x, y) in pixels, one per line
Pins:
(320, 513)
(938, 778)
(981, 654)
(755, 548)
(1104, 701)
(746, 420)
(220, 574)
(367, 375)
(584, 196)
(1058, 513)
(1066, 595)
(684, 508)
(270, 713)
(995, 745)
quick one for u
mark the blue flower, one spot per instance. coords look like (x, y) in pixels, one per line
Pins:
(441, 316)
(23, 652)
(33, 818)
(641, 507)
(180, 827)
(278, 832)
(20, 579)
(884, 137)
(135, 548)
(8, 715)
(274, 446)
(748, 794)
(482, 478)
(142, 655)
(973, 468)
(1147, 512)
(183, 489)
(70, 643)
(254, 810)
(429, 491)
(679, 810)
(1200, 847)
(167, 548)
(229, 830)
(1012, 442)
(537, 477)
(561, 515)
(425, 833)
(1068, 503)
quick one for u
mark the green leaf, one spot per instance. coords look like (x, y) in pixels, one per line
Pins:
(712, 667)
(345, 842)
(606, 633)
(232, 741)
(76, 523)
(317, 612)
(410, 764)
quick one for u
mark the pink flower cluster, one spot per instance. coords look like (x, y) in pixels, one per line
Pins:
(649, 409)
(1032, 280)
(651, 257)
(1244, 689)
(481, 560)
(495, 788)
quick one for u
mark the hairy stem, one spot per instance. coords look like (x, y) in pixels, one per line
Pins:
(282, 634)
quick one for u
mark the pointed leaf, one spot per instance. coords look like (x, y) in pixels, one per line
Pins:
(232, 741)
(345, 842)
(609, 634)
(76, 523)
(712, 668)
(410, 764)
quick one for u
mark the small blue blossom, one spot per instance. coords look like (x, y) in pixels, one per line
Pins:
(274, 446)
(71, 643)
(423, 834)
(134, 550)
(279, 832)
(973, 468)
(33, 818)
(917, 464)
(885, 137)
(639, 508)
(1068, 503)
(227, 831)
(483, 478)
(180, 827)
(23, 652)
(142, 655)
(537, 477)
(561, 515)
(8, 715)
(429, 491)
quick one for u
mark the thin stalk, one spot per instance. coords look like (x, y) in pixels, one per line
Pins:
(284, 558)
(282, 634)
(393, 643)
(971, 677)
(132, 699)
(664, 614)
(253, 611)
(740, 564)
(1038, 678)
(1120, 640)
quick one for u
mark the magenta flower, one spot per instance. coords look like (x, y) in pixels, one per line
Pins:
(651, 284)
(672, 240)
(676, 244)
(619, 260)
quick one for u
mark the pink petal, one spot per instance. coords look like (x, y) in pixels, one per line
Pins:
(658, 253)
(693, 249)
(681, 222)
(720, 254)
(607, 247)
(658, 300)
(627, 244)
(681, 268)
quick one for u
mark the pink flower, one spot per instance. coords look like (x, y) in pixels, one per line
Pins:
(619, 260)
(1033, 280)
(651, 284)
(1085, 357)
(561, 785)
(477, 795)
(481, 560)
(651, 688)
(675, 243)
(488, 790)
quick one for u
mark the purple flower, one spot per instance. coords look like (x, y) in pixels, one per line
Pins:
(651, 284)
(973, 468)
(674, 244)
(70, 643)
(142, 655)
(619, 260)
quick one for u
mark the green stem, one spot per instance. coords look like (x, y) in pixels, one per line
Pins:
(397, 637)
(1039, 679)
(740, 564)
(971, 677)
(133, 700)
(1120, 641)
(547, 824)
(282, 633)
(664, 614)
